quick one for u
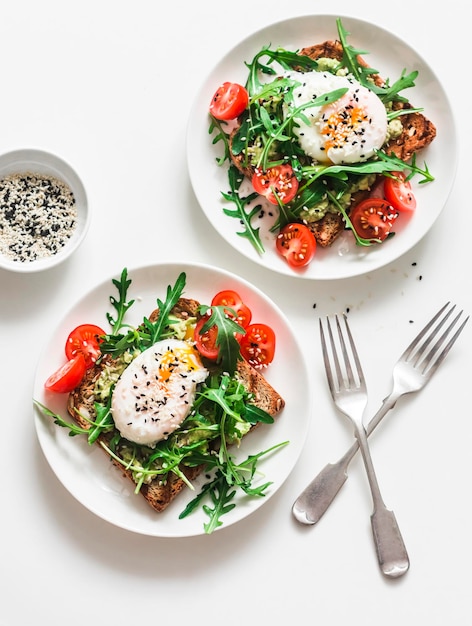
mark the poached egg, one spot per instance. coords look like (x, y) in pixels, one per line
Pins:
(348, 130)
(155, 393)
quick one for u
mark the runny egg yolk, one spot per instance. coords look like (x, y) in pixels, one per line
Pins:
(155, 393)
(339, 124)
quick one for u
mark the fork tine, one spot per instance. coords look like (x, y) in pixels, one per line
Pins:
(326, 360)
(429, 358)
(334, 355)
(347, 362)
(360, 374)
(416, 341)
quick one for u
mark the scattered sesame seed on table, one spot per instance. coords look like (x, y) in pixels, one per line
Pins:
(38, 216)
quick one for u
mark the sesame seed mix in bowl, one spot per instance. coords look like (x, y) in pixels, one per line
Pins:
(38, 216)
(43, 210)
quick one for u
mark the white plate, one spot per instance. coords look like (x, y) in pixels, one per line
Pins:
(390, 56)
(86, 470)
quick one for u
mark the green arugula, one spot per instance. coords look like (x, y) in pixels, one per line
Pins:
(385, 164)
(239, 212)
(285, 58)
(121, 305)
(229, 352)
(148, 333)
(222, 136)
(363, 74)
(103, 424)
(222, 488)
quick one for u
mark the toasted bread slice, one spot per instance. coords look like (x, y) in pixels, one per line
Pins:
(160, 494)
(418, 132)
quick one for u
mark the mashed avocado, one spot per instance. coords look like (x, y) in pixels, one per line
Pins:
(318, 211)
(394, 129)
(110, 374)
(326, 64)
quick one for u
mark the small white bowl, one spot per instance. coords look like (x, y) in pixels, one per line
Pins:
(31, 161)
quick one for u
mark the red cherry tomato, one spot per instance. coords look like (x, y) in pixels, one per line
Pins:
(229, 101)
(297, 244)
(373, 218)
(233, 300)
(258, 345)
(399, 193)
(85, 339)
(68, 376)
(205, 341)
(276, 182)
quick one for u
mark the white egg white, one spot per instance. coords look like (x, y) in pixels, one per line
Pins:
(348, 130)
(155, 393)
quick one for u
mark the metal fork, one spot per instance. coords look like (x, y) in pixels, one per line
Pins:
(411, 373)
(348, 390)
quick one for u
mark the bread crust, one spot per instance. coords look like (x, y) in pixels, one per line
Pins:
(160, 494)
(418, 132)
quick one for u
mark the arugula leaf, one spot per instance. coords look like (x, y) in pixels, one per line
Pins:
(387, 93)
(221, 495)
(173, 294)
(287, 59)
(74, 429)
(350, 58)
(148, 332)
(229, 351)
(390, 92)
(232, 401)
(222, 488)
(102, 424)
(121, 305)
(239, 212)
(220, 136)
(385, 163)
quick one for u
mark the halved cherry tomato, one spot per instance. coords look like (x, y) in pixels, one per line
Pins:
(205, 341)
(85, 339)
(297, 244)
(233, 300)
(276, 182)
(373, 218)
(399, 193)
(229, 101)
(68, 376)
(258, 345)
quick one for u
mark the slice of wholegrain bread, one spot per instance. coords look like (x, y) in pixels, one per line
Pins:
(160, 494)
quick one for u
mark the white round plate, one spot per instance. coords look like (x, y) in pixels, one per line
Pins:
(390, 56)
(86, 471)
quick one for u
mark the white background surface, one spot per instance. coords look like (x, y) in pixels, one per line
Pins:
(108, 86)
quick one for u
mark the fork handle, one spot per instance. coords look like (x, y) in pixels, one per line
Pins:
(391, 552)
(316, 498)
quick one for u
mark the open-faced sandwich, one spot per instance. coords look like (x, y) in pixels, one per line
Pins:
(325, 139)
(169, 398)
